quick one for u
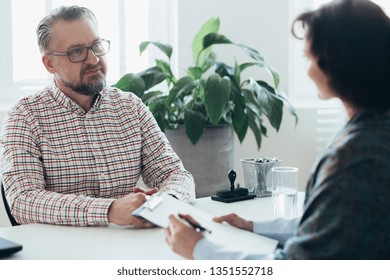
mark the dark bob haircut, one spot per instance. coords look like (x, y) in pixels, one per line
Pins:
(351, 39)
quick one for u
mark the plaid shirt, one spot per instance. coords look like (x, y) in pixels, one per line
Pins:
(62, 165)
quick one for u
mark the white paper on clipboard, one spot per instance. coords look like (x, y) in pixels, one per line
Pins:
(159, 206)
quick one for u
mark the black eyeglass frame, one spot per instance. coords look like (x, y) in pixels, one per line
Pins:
(87, 48)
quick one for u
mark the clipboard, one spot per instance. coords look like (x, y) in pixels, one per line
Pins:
(159, 206)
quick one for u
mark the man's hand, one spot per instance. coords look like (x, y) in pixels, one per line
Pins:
(121, 209)
(181, 237)
(236, 221)
(147, 192)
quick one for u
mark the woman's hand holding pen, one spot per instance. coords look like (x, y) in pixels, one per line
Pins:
(181, 237)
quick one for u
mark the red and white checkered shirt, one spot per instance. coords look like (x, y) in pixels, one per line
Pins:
(62, 165)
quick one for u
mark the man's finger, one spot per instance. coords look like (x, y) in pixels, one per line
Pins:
(151, 191)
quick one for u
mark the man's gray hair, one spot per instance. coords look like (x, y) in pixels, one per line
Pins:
(71, 13)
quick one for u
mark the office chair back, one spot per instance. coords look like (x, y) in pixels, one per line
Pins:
(7, 209)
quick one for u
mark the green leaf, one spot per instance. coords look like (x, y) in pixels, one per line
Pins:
(199, 107)
(203, 97)
(195, 72)
(194, 123)
(158, 109)
(281, 95)
(206, 56)
(165, 68)
(151, 96)
(267, 99)
(217, 93)
(157, 105)
(184, 85)
(252, 53)
(131, 83)
(213, 39)
(165, 48)
(263, 130)
(160, 121)
(206, 61)
(255, 129)
(270, 69)
(250, 98)
(211, 26)
(224, 70)
(239, 118)
(152, 76)
(275, 75)
(237, 73)
(250, 64)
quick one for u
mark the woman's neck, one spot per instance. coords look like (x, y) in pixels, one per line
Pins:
(349, 109)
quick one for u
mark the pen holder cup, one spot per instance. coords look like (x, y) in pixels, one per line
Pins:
(257, 175)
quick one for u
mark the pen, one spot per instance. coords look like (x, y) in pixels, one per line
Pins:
(195, 225)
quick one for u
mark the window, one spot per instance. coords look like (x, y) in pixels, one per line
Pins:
(126, 23)
(301, 88)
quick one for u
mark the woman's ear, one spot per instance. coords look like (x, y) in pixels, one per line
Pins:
(48, 62)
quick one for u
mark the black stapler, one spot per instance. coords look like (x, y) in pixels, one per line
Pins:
(232, 194)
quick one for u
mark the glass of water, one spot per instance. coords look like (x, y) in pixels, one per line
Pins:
(285, 191)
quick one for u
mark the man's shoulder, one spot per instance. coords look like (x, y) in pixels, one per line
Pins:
(33, 101)
(117, 95)
(115, 92)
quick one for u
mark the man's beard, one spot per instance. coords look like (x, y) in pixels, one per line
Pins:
(90, 89)
(94, 87)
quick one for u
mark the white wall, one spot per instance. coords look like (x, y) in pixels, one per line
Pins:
(2, 115)
(261, 24)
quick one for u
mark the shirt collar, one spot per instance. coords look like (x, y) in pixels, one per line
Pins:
(367, 114)
(67, 102)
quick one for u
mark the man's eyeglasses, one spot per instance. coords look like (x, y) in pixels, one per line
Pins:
(81, 53)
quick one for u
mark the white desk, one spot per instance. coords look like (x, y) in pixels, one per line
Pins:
(42, 241)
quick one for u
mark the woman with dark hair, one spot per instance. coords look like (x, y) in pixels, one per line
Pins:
(347, 204)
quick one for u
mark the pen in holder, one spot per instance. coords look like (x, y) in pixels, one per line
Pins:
(256, 174)
(233, 193)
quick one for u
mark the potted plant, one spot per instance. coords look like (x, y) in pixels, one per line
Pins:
(212, 92)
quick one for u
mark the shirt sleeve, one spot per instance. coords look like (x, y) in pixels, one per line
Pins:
(344, 217)
(278, 229)
(24, 181)
(207, 250)
(161, 167)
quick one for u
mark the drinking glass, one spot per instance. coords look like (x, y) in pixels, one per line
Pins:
(285, 191)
